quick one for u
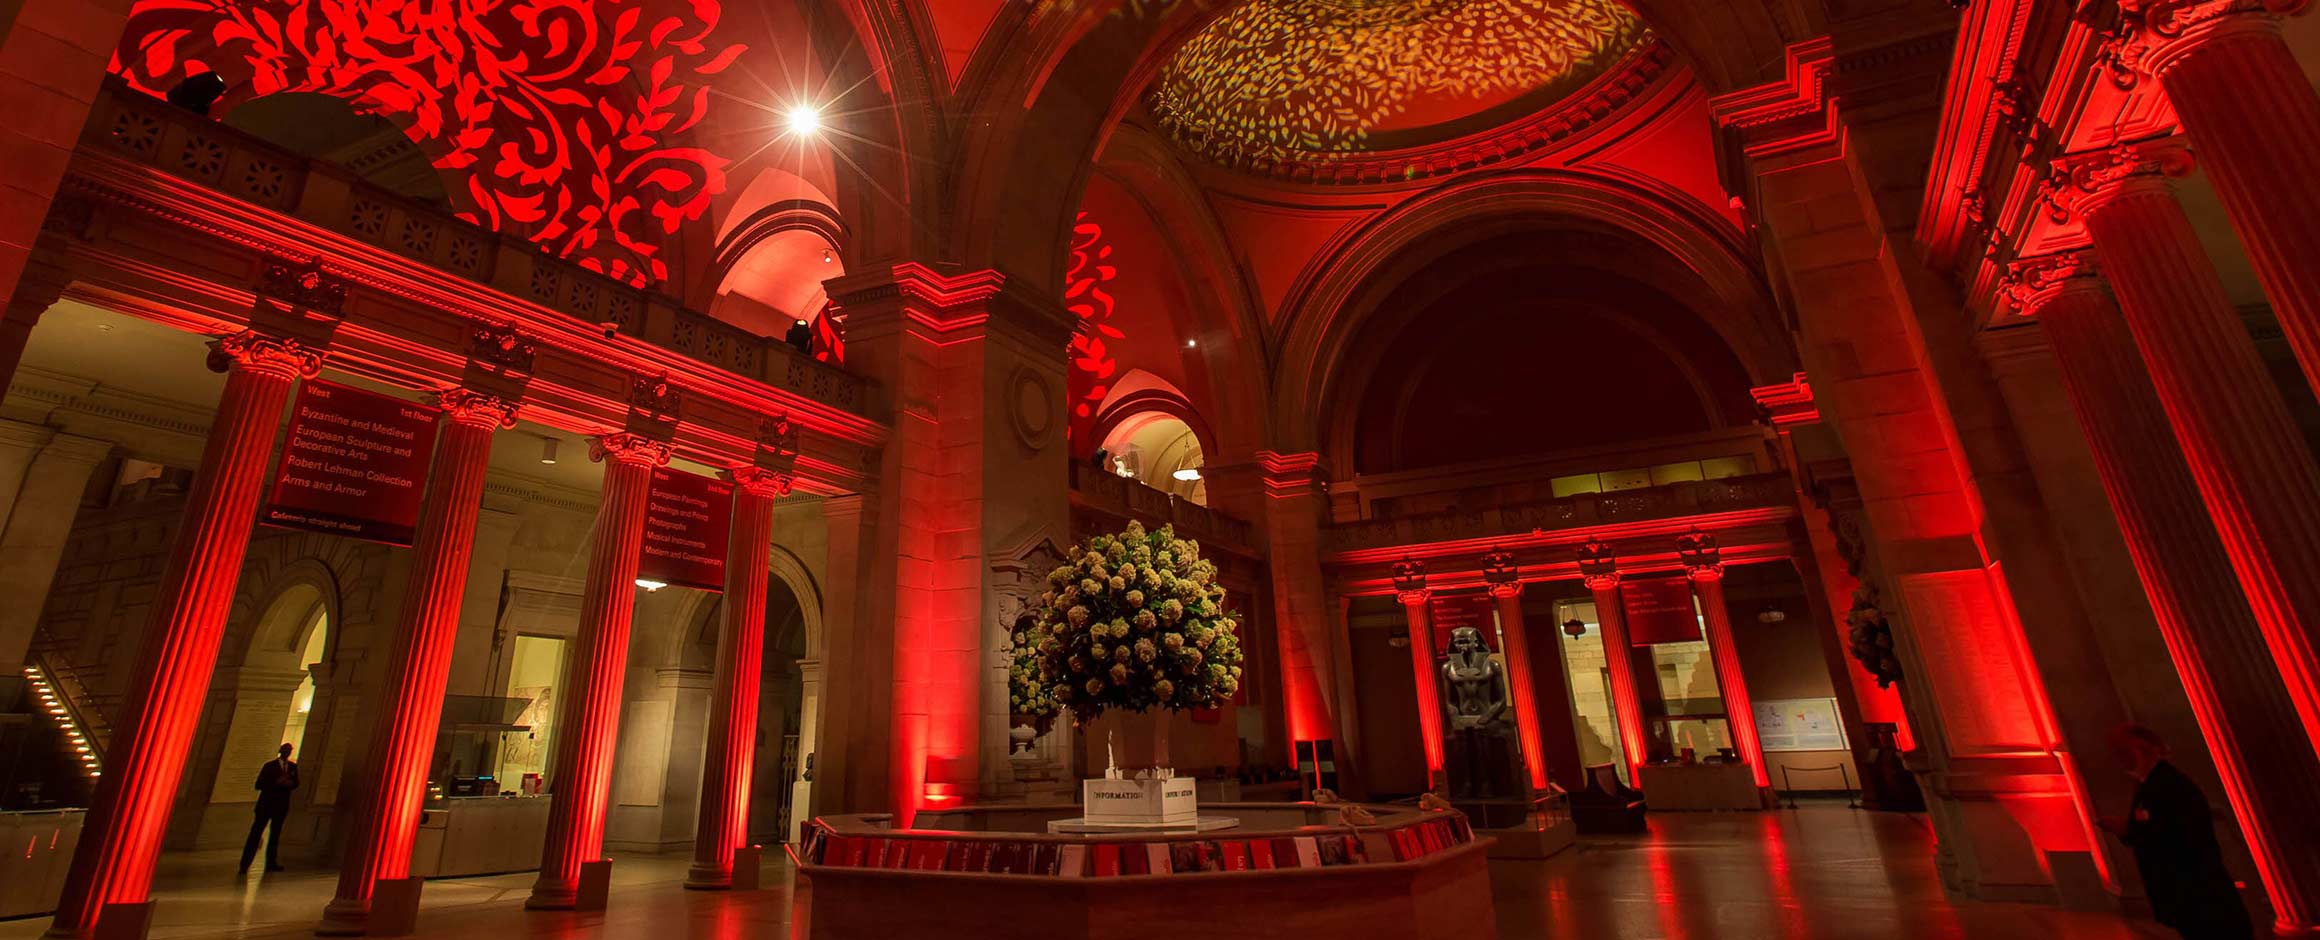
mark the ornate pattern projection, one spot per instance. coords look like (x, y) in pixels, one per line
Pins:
(1092, 363)
(1281, 79)
(563, 116)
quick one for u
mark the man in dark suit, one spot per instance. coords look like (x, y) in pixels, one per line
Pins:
(276, 780)
(2172, 833)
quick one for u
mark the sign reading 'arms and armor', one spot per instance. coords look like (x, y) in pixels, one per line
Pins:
(355, 463)
(686, 520)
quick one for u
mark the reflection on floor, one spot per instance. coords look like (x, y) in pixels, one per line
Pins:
(1820, 873)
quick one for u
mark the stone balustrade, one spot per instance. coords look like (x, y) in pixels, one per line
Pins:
(156, 135)
(1755, 491)
(1127, 498)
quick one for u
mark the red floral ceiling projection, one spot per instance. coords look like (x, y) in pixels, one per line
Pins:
(564, 117)
(1092, 363)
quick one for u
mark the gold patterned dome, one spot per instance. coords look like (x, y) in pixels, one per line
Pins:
(1280, 80)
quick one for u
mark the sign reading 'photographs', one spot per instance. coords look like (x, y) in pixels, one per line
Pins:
(355, 464)
(685, 523)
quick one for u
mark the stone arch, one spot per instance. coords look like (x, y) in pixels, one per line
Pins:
(1341, 289)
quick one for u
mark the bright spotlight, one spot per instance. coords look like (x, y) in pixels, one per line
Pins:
(804, 120)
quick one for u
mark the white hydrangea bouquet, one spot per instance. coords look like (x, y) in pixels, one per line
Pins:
(1134, 622)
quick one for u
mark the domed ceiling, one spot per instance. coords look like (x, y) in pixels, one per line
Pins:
(1283, 80)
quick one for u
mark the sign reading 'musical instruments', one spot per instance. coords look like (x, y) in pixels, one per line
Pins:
(355, 464)
(686, 519)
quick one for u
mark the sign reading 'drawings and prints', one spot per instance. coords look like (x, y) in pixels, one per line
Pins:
(1448, 612)
(686, 519)
(1659, 610)
(355, 464)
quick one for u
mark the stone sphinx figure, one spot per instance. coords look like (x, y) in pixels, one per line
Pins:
(1474, 694)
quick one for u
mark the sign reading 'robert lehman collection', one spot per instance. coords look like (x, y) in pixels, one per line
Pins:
(355, 464)
(686, 519)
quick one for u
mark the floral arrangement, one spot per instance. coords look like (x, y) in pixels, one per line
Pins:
(1871, 638)
(1133, 622)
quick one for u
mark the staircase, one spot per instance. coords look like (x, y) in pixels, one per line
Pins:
(51, 702)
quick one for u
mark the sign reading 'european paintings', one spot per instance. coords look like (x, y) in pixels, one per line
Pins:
(1659, 610)
(1448, 612)
(686, 518)
(355, 464)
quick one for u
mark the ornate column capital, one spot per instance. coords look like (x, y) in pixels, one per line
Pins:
(761, 482)
(2081, 183)
(2153, 35)
(252, 351)
(477, 409)
(1703, 559)
(1598, 565)
(630, 448)
(1501, 573)
(2030, 284)
(1410, 581)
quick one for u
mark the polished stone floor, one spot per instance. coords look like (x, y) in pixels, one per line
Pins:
(1820, 873)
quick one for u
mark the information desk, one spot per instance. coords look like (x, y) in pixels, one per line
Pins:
(1288, 870)
(35, 848)
(480, 835)
(1700, 787)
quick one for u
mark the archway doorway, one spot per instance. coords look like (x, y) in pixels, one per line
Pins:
(1159, 450)
(780, 716)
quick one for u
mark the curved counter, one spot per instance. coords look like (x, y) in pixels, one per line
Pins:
(1288, 870)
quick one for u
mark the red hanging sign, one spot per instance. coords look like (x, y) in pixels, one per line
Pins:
(1451, 611)
(686, 519)
(1659, 610)
(355, 463)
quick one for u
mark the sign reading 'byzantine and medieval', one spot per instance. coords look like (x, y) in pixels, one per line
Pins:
(1659, 610)
(686, 519)
(355, 464)
(1448, 612)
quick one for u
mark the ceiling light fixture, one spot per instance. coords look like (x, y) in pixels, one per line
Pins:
(651, 586)
(1187, 474)
(547, 450)
(805, 120)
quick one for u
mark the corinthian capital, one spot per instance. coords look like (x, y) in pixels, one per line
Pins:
(759, 481)
(2152, 35)
(2080, 183)
(631, 449)
(2032, 283)
(252, 351)
(476, 409)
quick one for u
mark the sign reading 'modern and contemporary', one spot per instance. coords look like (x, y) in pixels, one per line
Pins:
(355, 464)
(686, 519)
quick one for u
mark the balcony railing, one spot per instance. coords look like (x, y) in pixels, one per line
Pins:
(1131, 499)
(141, 129)
(1674, 500)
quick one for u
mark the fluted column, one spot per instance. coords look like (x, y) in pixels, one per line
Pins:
(1599, 567)
(725, 773)
(2255, 119)
(1704, 567)
(588, 723)
(1506, 588)
(403, 726)
(2217, 647)
(121, 837)
(1410, 589)
(2254, 473)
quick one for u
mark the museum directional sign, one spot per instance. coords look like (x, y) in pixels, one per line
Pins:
(1659, 610)
(1448, 612)
(355, 463)
(686, 518)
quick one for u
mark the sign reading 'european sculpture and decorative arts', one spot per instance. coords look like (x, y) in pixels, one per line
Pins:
(355, 463)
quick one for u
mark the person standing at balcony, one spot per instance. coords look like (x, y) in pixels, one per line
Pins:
(276, 780)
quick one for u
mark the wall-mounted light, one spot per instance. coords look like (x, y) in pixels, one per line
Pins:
(651, 586)
(1187, 474)
(547, 450)
(1191, 343)
(828, 256)
(1771, 614)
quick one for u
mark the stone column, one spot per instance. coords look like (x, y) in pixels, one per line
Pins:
(1498, 569)
(1599, 567)
(2254, 473)
(588, 720)
(732, 754)
(1286, 497)
(2255, 119)
(121, 839)
(1703, 564)
(36, 530)
(801, 783)
(1410, 589)
(410, 705)
(2211, 635)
